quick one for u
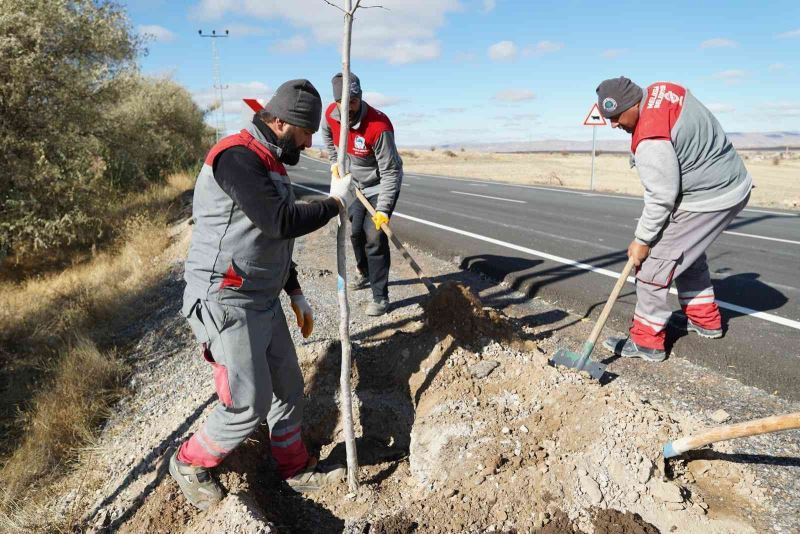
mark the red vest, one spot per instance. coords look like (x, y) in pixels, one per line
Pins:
(361, 140)
(659, 113)
(246, 139)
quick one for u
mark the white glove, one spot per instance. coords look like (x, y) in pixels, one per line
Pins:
(304, 313)
(342, 190)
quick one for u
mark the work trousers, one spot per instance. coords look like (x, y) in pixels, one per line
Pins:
(371, 249)
(256, 376)
(679, 255)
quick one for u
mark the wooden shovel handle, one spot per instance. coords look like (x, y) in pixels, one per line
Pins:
(601, 321)
(776, 423)
(390, 234)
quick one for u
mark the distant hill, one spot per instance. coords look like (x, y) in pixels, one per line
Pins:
(741, 140)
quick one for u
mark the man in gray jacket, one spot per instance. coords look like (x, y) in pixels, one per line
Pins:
(240, 259)
(377, 169)
(695, 184)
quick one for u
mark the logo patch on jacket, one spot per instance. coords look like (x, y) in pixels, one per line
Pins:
(360, 143)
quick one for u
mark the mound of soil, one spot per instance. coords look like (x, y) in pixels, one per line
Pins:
(455, 310)
(612, 521)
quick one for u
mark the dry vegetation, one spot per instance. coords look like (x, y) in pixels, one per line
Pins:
(777, 176)
(60, 348)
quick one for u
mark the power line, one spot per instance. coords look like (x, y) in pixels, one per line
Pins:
(218, 87)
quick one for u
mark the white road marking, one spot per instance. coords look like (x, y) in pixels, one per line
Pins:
(566, 261)
(487, 196)
(584, 193)
(763, 237)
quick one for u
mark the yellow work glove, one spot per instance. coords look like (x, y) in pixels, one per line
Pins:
(380, 219)
(335, 171)
(304, 314)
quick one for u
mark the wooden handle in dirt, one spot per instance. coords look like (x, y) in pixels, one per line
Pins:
(766, 425)
(388, 231)
(601, 321)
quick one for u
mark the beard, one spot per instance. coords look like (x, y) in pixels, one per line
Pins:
(290, 154)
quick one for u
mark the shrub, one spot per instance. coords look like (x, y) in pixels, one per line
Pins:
(450, 154)
(78, 125)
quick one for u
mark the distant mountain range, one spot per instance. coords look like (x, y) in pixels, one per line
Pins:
(741, 140)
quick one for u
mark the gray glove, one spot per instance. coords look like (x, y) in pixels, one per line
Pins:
(342, 190)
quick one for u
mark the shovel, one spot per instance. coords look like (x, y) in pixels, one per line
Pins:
(581, 361)
(393, 238)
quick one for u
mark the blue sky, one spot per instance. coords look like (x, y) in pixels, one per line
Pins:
(472, 71)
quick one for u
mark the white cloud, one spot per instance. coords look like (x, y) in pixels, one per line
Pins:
(613, 53)
(775, 67)
(158, 33)
(233, 93)
(503, 51)
(381, 100)
(789, 35)
(543, 47)
(718, 42)
(719, 107)
(294, 45)
(730, 77)
(489, 5)
(514, 95)
(403, 33)
(783, 108)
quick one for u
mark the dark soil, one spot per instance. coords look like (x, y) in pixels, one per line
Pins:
(455, 310)
(615, 522)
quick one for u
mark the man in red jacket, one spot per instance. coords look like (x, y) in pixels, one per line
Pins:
(377, 170)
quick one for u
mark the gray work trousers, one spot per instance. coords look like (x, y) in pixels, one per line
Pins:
(679, 255)
(256, 376)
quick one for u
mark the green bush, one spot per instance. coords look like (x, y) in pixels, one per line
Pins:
(154, 130)
(78, 125)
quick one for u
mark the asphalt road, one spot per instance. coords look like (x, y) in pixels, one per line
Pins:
(532, 237)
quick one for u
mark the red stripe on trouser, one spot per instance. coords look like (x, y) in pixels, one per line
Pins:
(647, 337)
(200, 451)
(289, 452)
(704, 315)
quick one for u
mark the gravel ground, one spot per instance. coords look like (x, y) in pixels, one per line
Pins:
(117, 482)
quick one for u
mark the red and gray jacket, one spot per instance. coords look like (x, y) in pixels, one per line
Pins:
(372, 155)
(245, 221)
(684, 159)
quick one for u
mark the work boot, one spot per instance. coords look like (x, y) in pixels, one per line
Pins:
(196, 483)
(315, 477)
(377, 307)
(623, 346)
(680, 321)
(358, 281)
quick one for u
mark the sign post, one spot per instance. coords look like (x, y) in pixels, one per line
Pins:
(593, 119)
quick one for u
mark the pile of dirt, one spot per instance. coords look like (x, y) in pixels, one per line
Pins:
(612, 521)
(453, 309)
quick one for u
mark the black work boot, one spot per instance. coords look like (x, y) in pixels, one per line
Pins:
(623, 346)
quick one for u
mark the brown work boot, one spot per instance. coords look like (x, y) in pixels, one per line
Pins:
(315, 477)
(195, 483)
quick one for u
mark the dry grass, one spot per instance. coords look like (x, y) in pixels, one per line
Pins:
(776, 185)
(59, 365)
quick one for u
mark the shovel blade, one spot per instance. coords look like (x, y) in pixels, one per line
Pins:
(570, 359)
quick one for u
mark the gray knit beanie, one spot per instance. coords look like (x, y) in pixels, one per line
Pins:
(298, 103)
(616, 95)
(355, 86)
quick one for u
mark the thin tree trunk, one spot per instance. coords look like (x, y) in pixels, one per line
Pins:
(341, 264)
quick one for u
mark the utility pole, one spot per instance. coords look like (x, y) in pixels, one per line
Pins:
(218, 87)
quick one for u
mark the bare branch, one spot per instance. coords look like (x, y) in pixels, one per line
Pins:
(375, 7)
(334, 5)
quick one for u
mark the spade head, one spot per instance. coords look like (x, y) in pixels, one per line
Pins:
(567, 358)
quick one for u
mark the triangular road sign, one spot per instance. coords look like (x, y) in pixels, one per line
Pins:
(594, 118)
(253, 104)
